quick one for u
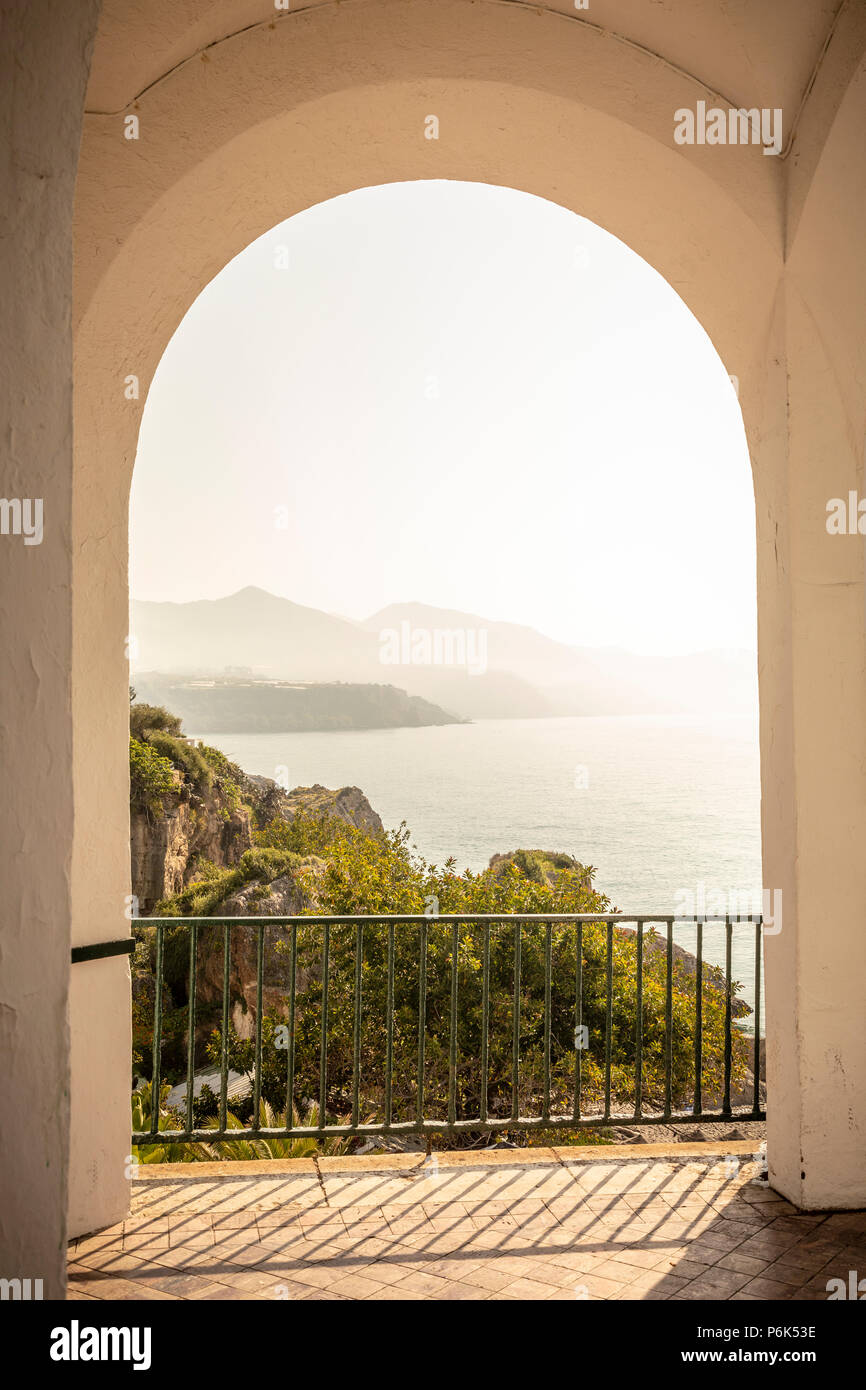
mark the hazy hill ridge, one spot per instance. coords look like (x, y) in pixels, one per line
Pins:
(237, 705)
(524, 673)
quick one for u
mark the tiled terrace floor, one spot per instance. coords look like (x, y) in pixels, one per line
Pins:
(676, 1223)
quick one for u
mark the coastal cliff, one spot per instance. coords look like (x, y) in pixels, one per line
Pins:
(192, 812)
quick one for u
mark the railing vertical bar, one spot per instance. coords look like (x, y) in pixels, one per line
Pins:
(257, 1077)
(224, 1040)
(578, 1019)
(515, 1028)
(756, 1065)
(290, 1050)
(548, 970)
(356, 1032)
(669, 1012)
(389, 1036)
(452, 1047)
(422, 1021)
(697, 1108)
(726, 1105)
(608, 1020)
(190, 1039)
(638, 1028)
(323, 1044)
(485, 1017)
(156, 1072)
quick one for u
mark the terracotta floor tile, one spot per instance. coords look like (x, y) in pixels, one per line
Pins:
(714, 1283)
(768, 1288)
(392, 1294)
(354, 1286)
(418, 1282)
(624, 1230)
(743, 1264)
(532, 1289)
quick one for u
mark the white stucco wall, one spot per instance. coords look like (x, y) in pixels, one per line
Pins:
(814, 775)
(44, 61)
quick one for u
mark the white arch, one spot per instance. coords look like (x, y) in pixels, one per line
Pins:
(284, 116)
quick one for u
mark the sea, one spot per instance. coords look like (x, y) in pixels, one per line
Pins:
(666, 809)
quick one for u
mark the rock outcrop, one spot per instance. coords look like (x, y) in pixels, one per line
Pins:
(168, 851)
(289, 895)
(538, 865)
(347, 804)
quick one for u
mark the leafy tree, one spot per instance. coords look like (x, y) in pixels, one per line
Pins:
(383, 874)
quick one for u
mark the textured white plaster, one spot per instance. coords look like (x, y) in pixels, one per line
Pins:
(44, 59)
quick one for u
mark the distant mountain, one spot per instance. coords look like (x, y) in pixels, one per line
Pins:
(513, 671)
(511, 647)
(272, 636)
(587, 680)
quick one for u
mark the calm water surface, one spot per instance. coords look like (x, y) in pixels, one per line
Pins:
(661, 806)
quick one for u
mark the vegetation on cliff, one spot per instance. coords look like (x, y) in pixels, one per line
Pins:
(162, 760)
(376, 873)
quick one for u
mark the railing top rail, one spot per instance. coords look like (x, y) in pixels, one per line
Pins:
(419, 918)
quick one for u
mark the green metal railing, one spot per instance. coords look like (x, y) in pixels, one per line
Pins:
(549, 1112)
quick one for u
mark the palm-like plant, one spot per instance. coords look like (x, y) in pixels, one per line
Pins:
(249, 1147)
(142, 1119)
(270, 1147)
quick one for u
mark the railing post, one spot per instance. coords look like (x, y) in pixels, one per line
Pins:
(485, 1018)
(669, 1038)
(257, 1078)
(389, 1024)
(638, 1026)
(224, 1042)
(452, 1041)
(422, 1020)
(156, 1052)
(323, 1053)
(515, 1029)
(726, 1107)
(608, 1019)
(290, 1050)
(356, 1031)
(699, 1020)
(578, 1020)
(190, 1043)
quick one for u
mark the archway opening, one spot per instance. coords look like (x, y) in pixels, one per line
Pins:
(461, 516)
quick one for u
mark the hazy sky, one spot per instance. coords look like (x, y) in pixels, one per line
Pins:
(452, 394)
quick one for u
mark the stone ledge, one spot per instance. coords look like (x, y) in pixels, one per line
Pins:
(467, 1158)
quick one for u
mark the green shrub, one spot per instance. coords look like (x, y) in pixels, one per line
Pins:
(151, 777)
(204, 896)
(306, 834)
(202, 767)
(228, 777)
(382, 874)
(145, 720)
(188, 759)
